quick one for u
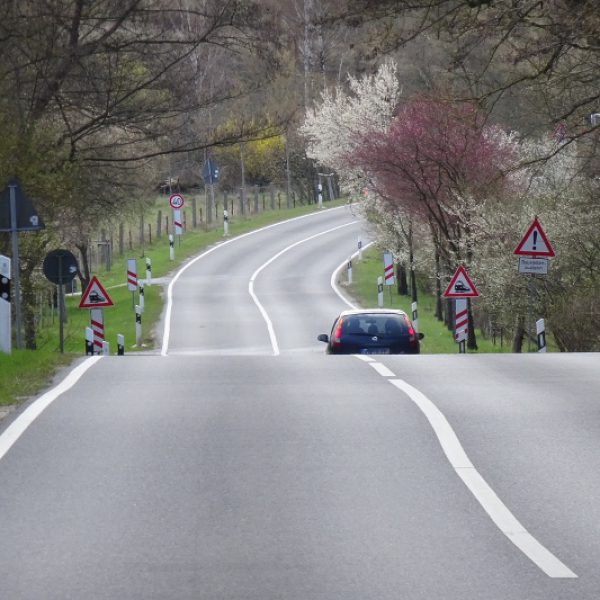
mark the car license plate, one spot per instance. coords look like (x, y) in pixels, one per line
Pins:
(375, 351)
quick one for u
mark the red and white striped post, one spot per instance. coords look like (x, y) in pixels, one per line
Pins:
(132, 278)
(97, 323)
(461, 328)
(177, 222)
(388, 271)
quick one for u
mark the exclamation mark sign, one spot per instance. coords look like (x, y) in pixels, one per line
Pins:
(535, 236)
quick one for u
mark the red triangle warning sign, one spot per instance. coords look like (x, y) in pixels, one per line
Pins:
(95, 295)
(461, 286)
(535, 242)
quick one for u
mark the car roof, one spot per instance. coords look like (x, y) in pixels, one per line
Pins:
(372, 311)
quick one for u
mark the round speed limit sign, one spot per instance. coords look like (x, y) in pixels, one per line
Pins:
(176, 201)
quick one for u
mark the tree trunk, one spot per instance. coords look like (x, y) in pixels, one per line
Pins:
(84, 269)
(401, 279)
(411, 260)
(439, 306)
(471, 336)
(517, 345)
(28, 309)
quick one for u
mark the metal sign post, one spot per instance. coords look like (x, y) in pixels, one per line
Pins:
(60, 268)
(533, 251)
(461, 288)
(5, 307)
(17, 214)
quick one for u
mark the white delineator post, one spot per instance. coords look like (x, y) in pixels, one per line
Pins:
(225, 222)
(540, 327)
(120, 345)
(171, 247)
(148, 270)
(349, 271)
(97, 323)
(380, 292)
(415, 317)
(461, 327)
(138, 326)
(359, 249)
(89, 341)
(320, 194)
(5, 306)
(105, 348)
(142, 300)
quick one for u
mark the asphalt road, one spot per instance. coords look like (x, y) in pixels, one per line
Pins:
(240, 462)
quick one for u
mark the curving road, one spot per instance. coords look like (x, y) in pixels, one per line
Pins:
(240, 462)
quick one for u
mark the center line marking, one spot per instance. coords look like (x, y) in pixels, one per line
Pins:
(484, 494)
(261, 308)
(382, 369)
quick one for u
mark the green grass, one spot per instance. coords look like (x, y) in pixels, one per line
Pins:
(438, 339)
(26, 372)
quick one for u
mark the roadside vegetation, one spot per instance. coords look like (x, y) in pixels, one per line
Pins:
(455, 121)
(439, 338)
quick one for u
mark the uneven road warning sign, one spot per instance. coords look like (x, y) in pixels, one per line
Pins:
(461, 286)
(535, 242)
(95, 296)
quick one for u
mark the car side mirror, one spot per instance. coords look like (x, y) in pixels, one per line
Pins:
(323, 337)
(421, 335)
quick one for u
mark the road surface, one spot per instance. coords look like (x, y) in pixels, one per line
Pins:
(240, 462)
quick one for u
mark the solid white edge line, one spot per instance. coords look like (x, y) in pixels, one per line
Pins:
(254, 275)
(169, 309)
(484, 494)
(334, 277)
(382, 369)
(16, 429)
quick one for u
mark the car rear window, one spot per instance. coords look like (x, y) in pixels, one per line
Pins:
(375, 324)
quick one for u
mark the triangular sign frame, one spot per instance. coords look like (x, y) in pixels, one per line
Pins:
(534, 237)
(461, 286)
(95, 287)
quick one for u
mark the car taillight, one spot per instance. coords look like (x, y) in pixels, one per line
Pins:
(412, 336)
(337, 336)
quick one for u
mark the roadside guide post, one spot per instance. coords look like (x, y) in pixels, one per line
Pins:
(120, 345)
(96, 299)
(132, 278)
(359, 249)
(461, 288)
(171, 247)
(349, 271)
(89, 341)
(5, 308)
(320, 193)
(540, 329)
(225, 222)
(533, 251)
(415, 316)
(380, 292)
(141, 297)
(138, 326)
(148, 270)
